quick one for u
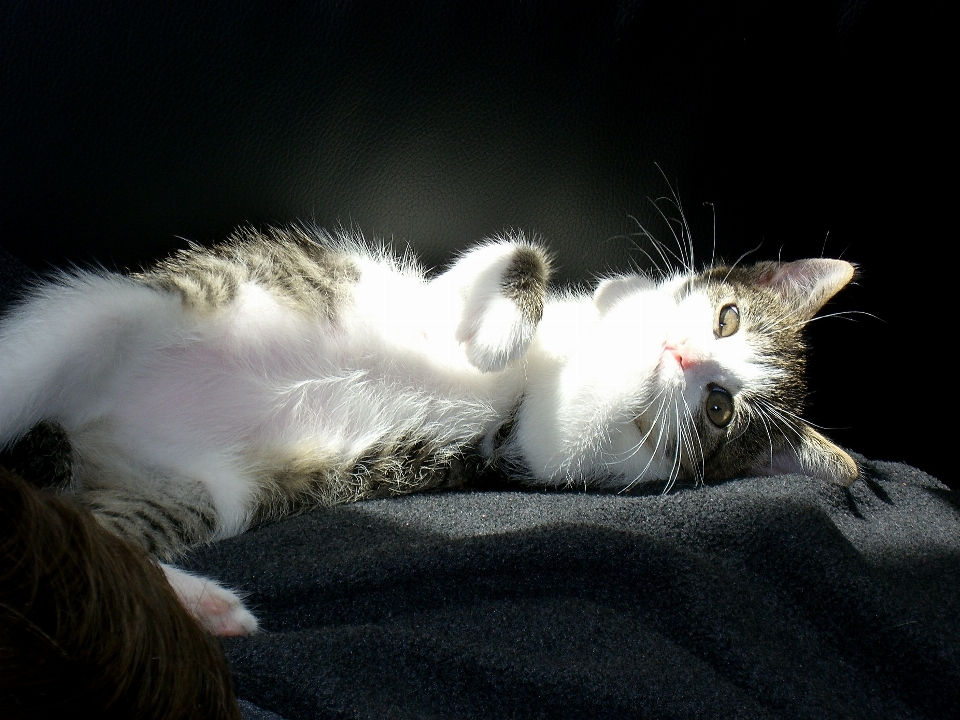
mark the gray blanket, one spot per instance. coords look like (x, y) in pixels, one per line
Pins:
(778, 597)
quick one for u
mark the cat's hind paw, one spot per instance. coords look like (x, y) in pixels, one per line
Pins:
(219, 610)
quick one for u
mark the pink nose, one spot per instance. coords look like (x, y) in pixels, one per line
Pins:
(682, 353)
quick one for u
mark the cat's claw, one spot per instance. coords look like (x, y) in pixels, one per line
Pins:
(219, 610)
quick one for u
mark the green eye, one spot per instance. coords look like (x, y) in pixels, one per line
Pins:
(729, 320)
(719, 407)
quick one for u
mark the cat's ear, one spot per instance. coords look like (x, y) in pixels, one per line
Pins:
(812, 454)
(805, 284)
(610, 291)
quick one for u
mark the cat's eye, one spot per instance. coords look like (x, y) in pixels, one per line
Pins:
(719, 407)
(728, 321)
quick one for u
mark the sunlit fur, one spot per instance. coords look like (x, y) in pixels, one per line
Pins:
(607, 405)
(293, 368)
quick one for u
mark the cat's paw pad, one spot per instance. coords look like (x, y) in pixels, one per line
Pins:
(219, 610)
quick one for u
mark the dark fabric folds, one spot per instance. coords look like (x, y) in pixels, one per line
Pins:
(779, 597)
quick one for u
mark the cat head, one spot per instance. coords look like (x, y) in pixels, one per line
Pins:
(698, 376)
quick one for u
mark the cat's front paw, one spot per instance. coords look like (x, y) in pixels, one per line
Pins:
(496, 337)
(503, 307)
(219, 610)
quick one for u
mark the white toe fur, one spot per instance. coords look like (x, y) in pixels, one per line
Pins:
(219, 610)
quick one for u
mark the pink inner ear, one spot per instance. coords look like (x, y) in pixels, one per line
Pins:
(816, 272)
(808, 283)
(813, 455)
(794, 275)
(769, 277)
(783, 463)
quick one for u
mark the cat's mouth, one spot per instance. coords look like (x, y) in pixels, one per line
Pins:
(670, 371)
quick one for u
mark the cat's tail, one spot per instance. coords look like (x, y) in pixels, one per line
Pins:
(89, 622)
(65, 345)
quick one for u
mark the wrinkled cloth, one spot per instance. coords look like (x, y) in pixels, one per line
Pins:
(782, 597)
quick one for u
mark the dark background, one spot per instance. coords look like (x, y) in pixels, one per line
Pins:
(802, 128)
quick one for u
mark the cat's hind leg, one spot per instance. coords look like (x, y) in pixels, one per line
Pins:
(166, 519)
(65, 347)
(166, 525)
(503, 285)
(219, 610)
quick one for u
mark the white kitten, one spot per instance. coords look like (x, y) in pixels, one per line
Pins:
(294, 369)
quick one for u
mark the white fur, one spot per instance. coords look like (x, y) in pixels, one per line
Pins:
(219, 610)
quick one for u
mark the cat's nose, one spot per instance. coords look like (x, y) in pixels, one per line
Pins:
(683, 353)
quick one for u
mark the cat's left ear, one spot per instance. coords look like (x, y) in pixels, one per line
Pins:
(805, 284)
(612, 290)
(812, 454)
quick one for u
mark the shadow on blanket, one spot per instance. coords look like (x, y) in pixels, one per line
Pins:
(89, 625)
(760, 597)
(781, 597)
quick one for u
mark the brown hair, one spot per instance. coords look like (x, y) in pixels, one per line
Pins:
(88, 622)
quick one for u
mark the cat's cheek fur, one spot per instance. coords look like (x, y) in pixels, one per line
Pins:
(612, 374)
(576, 419)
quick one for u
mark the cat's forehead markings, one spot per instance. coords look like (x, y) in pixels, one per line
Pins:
(715, 288)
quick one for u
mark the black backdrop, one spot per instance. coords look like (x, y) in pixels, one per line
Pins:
(804, 128)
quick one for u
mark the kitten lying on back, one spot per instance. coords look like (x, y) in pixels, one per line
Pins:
(295, 369)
